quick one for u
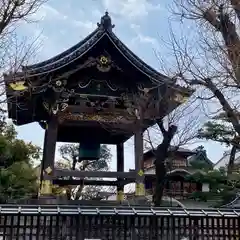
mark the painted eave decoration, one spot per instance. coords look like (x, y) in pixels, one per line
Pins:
(18, 86)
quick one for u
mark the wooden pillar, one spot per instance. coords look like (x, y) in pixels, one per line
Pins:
(120, 168)
(138, 143)
(50, 140)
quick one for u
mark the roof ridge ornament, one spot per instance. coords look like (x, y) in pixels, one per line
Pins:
(106, 22)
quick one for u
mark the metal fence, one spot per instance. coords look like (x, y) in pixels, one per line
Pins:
(119, 223)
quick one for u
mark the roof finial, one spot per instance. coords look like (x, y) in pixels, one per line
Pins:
(106, 22)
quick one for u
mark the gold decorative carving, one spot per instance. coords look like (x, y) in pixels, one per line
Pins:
(46, 105)
(48, 170)
(46, 187)
(104, 64)
(18, 86)
(103, 118)
(103, 60)
(55, 108)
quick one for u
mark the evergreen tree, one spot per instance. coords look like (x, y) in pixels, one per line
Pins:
(18, 178)
(220, 129)
(223, 186)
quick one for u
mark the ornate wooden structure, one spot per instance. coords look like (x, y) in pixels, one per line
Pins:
(93, 93)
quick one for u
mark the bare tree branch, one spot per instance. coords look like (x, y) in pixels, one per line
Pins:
(15, 51)
(211, 64)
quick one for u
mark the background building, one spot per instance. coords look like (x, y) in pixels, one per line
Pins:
(179, 165)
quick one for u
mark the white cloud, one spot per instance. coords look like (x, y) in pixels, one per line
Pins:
(46, 11)
(96, 13)
(130, 8)
(85, 27)
(147, 39)
(84, 24)
(141, 38)
(135, 27)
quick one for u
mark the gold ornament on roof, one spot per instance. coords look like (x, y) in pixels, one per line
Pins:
(104, 63)
(58, 83)
(18, 86)
(103, 60)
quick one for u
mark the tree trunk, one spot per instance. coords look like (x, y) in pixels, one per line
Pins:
(225, 105)
(69, 190)
(231, 159)
(161, 155)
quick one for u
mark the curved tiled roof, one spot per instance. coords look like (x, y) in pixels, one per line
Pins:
(75, 52)
(61, 55)
(66, 57)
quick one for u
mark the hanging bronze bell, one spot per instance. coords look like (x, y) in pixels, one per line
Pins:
(89, 151)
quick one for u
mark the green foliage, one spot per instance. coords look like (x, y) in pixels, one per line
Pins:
(17, 175)
(15, 150)
(17, 181)
(197, 164)
(219, 131)
(223, 187)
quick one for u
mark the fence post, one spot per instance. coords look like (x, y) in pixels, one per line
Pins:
(195, 228)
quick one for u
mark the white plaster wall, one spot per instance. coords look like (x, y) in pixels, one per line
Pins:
(205, 187)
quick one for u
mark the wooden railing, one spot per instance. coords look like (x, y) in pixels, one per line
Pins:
(119, 223)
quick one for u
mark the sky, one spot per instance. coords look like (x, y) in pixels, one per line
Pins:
(143, 25)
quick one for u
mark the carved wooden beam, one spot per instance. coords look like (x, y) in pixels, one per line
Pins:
(96, 174)
(79, 109)
(63, 182)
